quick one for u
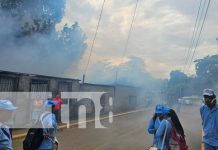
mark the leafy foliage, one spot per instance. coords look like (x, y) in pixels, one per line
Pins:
(180, 84)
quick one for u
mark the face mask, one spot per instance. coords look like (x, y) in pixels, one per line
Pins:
(210, 102)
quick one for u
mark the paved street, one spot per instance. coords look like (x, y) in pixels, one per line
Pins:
(127, 132)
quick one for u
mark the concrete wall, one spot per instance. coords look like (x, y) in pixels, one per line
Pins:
(123, 97)
(23, 84)
(108, 90)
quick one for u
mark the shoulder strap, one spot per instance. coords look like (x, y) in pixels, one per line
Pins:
(43, 116)
(6, 133)
(164, 135)
(158, 120)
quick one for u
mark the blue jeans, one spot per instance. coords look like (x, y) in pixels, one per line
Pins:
(209, 147)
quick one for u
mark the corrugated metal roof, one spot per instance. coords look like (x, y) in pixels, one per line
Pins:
(35, 75)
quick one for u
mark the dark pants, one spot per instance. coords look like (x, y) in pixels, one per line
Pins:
(209, 147)
(57, 115)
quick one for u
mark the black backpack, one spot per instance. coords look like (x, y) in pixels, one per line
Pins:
(34, 136)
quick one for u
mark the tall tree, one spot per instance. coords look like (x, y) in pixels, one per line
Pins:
(207, 71)
(176, 85)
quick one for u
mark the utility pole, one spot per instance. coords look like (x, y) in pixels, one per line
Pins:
(116, 75)
(84, 76)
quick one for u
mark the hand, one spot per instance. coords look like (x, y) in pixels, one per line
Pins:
(155, 130)
(46, 135)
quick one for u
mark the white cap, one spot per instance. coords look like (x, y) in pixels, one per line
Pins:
(208, 92)
(6, 105)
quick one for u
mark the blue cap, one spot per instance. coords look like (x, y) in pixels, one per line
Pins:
(7, 105)
(166, 111)
(159, 109)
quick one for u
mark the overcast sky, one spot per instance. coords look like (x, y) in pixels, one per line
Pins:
(160, 35)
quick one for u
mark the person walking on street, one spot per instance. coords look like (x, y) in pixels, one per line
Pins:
(209, 116)
(177, 141)
(57, 108)
(49, 125)
(163, 133)
(6, 109)
(155, 122)
(42, 136)
(37, 110)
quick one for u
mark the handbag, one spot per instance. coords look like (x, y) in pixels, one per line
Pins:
(174, 145)
(165, 132)
(177, 142)
(153, 148)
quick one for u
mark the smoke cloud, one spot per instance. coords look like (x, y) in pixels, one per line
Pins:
(29, 41)
(131, 73)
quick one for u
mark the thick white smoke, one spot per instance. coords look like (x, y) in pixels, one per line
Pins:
(132, 73)
(29, 41)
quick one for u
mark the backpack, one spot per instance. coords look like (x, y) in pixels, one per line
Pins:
(35, 136)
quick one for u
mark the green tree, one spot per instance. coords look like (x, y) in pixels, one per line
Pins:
(176, 86)
(35, 16)
(207, 71)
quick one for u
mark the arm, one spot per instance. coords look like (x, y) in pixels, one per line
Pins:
(201, 113)
(161, 129)
(151, 128)
(61, 101)
(51, 129)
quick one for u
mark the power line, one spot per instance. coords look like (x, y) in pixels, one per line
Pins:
(93, 42)
(128, 38)
(199, 36)
(130, 29)
(192, 37)
(196, 33)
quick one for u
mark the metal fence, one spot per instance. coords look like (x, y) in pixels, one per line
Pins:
(39, 86)
(7, 84)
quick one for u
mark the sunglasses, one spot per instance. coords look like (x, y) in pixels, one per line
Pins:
(208, 97)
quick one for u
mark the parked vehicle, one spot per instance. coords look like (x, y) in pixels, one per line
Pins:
(185, 100)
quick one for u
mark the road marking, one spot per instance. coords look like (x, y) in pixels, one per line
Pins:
(22, 135)
(202, 143)
(102, 118)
